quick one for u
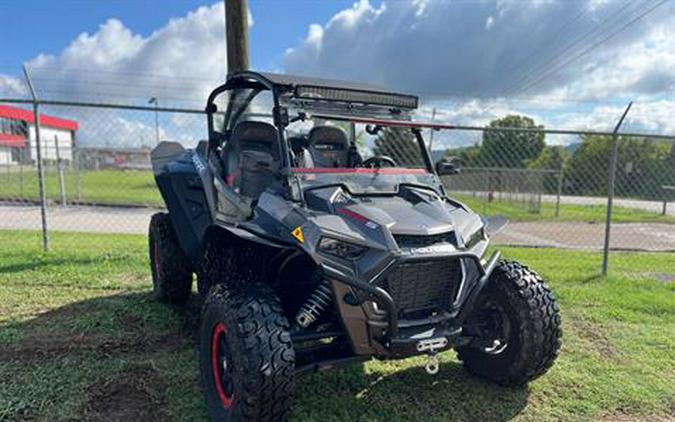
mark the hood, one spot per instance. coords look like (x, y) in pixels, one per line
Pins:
(412, 211)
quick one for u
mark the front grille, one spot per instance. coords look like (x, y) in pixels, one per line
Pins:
(420, 288)
(417, 241)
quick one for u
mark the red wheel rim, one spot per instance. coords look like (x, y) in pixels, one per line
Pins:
(218, 332)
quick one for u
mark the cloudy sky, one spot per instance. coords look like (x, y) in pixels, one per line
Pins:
(567, 63)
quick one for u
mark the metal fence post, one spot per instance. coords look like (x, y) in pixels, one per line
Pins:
(558, 192)
(41, 174)
(77, 164)
(666, 191)
(59, 170)
(22, 161)
(611, 182)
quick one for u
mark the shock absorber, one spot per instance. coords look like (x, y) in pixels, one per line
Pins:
(315, 304)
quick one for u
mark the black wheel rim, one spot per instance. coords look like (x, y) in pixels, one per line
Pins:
(495, 327)
(222, 365)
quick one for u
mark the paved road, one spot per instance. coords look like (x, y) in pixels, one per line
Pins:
(639, 204)
(642, 236)
(653, 206)
(571, 235)
(78, 219)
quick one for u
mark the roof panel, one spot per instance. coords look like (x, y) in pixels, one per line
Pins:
(45, 120)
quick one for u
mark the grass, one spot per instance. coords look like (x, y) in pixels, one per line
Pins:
(108, 187)
(136, 187)
(80, 338)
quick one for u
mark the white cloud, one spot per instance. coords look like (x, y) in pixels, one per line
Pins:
(121, 132)
(439, 48)
(648, 117)
(179, 63)
(12, 87)
(464, 54)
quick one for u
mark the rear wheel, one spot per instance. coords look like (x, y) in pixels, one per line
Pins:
(171, 269)
(517, 327)
(246, 355)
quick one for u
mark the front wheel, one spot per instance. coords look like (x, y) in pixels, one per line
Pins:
(516, 325)
(246, 355)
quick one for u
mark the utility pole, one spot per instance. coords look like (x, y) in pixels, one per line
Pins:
(236, 32)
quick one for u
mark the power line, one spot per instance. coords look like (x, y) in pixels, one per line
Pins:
(533, 53)
(615, 19)
(533, 73)
(589, 49)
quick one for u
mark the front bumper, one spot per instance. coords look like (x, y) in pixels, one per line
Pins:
(393, 337)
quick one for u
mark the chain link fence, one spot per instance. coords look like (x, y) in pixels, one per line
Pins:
(554, 188)
(551, 186)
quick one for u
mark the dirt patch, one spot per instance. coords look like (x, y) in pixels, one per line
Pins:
(622, 415)
(56, 347)
(49, 335)
(131, 396)
(130, 322)
(663, 277)
(593, 334)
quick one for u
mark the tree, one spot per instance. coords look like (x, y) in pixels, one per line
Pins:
(511, 148)
(399, 144)
(552, 158)
(642, 167)
(469, 156)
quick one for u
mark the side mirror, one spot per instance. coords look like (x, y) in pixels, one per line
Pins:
(447, 167)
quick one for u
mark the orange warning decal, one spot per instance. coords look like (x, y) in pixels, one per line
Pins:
(297, 233)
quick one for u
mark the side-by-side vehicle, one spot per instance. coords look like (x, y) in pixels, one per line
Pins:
(320, 234)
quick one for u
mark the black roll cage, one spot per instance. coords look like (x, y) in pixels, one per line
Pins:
(259, 82)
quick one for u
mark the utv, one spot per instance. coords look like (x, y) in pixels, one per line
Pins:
(320, 234)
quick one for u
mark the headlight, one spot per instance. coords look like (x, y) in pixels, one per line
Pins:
(340, 248)
(480, 234)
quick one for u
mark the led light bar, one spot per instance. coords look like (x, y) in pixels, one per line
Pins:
(353, 96)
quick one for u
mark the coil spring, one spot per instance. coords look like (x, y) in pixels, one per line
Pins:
(314, 305)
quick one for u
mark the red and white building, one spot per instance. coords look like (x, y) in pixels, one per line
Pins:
(17, 136)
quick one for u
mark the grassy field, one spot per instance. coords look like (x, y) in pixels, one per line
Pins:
(133, 187)
(109, 187)
(81, 338)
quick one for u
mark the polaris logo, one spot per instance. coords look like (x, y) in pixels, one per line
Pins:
(428, 250)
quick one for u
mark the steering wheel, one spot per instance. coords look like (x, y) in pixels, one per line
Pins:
(377, 161)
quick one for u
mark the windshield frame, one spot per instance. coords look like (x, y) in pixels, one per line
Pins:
(299, 173)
